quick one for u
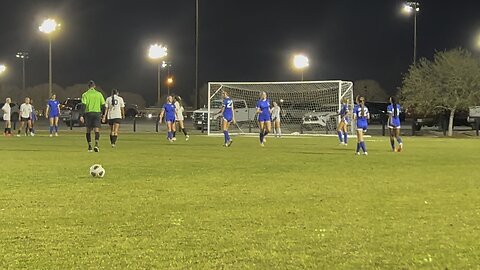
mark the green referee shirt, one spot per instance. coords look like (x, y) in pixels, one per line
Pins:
(93, 100)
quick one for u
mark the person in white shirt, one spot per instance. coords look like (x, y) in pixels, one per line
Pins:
(24, 118)
(114, 112)
(6, 117)
(179, 118)
(275, 111)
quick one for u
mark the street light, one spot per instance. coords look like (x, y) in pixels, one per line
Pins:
(169, 83)
(156, 52)
(167, 65)
(409, 8)
(300, 62)
(24, 56)
(48, 27)
(3, 68)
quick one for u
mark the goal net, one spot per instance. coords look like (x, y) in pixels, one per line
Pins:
(306, 107)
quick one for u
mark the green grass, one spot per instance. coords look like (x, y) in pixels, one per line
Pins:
(296, 203)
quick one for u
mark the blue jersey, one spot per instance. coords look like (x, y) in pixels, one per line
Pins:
(394, 120)
(264, 107)
(361, 116)
(228, 109)
(33, 115)
(344, 112)
(53, 108)
(170, 112)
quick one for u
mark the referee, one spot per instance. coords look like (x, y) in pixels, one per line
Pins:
(93, 101)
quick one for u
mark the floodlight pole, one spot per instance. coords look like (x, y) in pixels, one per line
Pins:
(23, 73)
(415, 33)
(197, 93)
(158, 84)
(49, 66)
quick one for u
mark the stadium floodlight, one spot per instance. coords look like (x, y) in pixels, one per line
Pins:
(409, 8)
(23, 56)
(48, 27)
(3, 68)
(156, 52)
(300, 62)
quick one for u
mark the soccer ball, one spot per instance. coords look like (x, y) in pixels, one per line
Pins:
(96, 170)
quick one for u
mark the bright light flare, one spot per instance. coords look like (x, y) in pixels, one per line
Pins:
(157, 51)
(2, 68)
(300, 61)
(170, 80)
(48, 26)
(407, 9)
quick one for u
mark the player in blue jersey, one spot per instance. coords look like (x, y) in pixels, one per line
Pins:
(393, 110)
(361, 115)
(52, 113)
(344, 121)
(264, 117)
(228, 114)
(169, 111)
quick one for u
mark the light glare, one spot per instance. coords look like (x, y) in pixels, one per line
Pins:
(3, 68)
(300, 61)
(157, 51)
(407, 9)
(48, 26)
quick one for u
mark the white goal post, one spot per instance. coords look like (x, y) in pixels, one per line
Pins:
(307, 107)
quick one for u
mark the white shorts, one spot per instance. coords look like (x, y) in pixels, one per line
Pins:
(179, 117)
(6, 117)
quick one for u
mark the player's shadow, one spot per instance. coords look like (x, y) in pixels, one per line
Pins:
(317, 153)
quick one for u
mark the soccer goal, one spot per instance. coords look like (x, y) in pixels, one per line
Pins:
(307, 107)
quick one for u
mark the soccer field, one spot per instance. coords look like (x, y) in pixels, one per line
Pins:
(295, 203)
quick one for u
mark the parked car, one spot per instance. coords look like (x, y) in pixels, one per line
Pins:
(438, 119)
(242, 114)
(295, 112)
(14, 111)
(378, 112)
(319, 120)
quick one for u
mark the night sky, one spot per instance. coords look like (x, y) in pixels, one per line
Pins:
(240, 40)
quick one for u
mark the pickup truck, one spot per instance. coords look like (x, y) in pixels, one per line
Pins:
(243, 114)
(72, 108)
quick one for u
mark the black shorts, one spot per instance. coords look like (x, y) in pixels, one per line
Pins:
(114, 121)
(24, 119)
(93, 120)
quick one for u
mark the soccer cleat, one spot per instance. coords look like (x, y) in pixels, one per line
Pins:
(18, 135)
(229, 143)
(113, 145)
(51, 135)
(90, 149)
(357, 153)
(366, 153)
(96, 149)
(262, 144)
(56, 134)
(32, 134)
(225, 145)
(400, 147)
(264, 139)
(174, 139)
(187, 137)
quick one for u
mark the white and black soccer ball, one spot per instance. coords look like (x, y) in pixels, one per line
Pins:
(96, 170)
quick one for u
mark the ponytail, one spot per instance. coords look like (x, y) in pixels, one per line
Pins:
(114, 92)
(362, 102)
